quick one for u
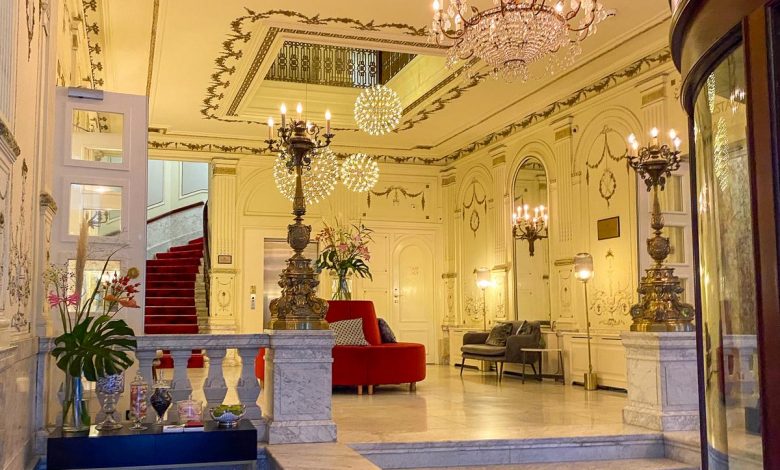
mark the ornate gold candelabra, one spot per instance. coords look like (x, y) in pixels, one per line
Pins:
(659, 308)
(298, 308)
(525, 227)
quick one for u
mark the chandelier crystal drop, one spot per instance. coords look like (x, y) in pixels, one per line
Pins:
(377, 110)
(514, 34)
(359, 173)
(318, 181)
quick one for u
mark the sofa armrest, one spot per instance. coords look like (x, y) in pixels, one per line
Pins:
(475, 337)
(515, 343)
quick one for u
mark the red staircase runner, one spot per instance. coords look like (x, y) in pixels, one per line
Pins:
(170, 295)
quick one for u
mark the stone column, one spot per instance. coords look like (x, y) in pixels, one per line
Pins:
(564, 207)
(449, 277)
(297, 388)
(43, 323)
(223, 307)
(502, 216)
(662, 381)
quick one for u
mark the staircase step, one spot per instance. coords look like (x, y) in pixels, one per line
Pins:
(169, 277)
(180, 255)
(174, 262)
(170, 284)
(154, 291)
(186, 249)
(196, 241)
(170, 302)
(173, 310)
(150, 320)
(175, 269)
(171, 329)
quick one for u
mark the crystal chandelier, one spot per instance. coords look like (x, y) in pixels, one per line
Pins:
(359, 173)
(377, 110)
(513, 34)
(526, 227)
(659, 307)
(318, 181)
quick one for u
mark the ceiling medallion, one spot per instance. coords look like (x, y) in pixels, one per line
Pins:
(513, 34)
(377, 110)
(359, 173)
(318, 181)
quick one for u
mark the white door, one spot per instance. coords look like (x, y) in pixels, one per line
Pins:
(100, 168)
(413, 293)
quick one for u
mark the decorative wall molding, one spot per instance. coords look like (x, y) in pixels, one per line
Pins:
(608, 82)
(612, 304)
(20, 262)
(93, 25)
(607, 182)
(472, 205)
(8, 137)
(395, 192)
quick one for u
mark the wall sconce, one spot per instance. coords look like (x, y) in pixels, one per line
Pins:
(484, 280)
(583, 271)
(528, 227)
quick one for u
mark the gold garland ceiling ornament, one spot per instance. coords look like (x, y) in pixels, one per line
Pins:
(298, 308)
(513, 34)
(377, 110)
(359, 173)
(659, 308)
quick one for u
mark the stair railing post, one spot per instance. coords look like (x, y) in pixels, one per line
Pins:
(214, 386)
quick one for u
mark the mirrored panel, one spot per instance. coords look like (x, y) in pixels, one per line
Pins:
(97, 136)
(100, 205)
(92, 276)
(531, 249)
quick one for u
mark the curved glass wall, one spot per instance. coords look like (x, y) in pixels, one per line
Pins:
(727, 267)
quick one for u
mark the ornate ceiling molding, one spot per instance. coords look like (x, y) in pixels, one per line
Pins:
(600, 86)
(241, 34)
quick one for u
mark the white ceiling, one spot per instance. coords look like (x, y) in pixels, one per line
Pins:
(184, 39)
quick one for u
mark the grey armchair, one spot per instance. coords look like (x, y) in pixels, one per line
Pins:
(525, 334)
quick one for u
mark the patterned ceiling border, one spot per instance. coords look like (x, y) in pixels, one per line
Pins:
(93, 19)
(207, 147)
(227, 60)
(600, 86)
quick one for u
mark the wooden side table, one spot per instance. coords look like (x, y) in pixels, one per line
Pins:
(558, 374)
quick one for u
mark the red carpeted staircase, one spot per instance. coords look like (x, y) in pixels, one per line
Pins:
(170, 295)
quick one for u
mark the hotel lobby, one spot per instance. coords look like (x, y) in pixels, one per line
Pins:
(472, 234)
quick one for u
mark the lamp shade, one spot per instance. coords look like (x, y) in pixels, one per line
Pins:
(483, 278)
(583, 266)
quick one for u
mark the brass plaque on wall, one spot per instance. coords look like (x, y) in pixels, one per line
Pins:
(224, 259)
(608, 228)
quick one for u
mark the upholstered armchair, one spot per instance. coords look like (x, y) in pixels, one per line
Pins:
(524, 334)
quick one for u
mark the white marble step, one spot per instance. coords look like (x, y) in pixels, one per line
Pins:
(557, 450)
(633, 464)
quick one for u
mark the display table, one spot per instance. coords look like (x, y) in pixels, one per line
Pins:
(127, 449)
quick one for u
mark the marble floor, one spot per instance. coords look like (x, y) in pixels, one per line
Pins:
(476, 407)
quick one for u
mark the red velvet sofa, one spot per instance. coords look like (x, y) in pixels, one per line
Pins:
(376, 364)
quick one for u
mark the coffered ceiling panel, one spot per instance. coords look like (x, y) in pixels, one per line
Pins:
(204, 64)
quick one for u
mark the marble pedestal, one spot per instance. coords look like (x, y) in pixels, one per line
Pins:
(298, 386)
(662, 381)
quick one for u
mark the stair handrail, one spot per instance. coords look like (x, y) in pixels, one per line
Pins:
(206, 257)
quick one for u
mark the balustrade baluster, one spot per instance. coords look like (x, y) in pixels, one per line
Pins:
(181, 388)
(215, 387)
(145, 359)
(248, 387)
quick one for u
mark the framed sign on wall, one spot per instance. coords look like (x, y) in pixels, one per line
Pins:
(608, 228)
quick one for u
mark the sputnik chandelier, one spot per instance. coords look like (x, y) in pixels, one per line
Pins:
(320, 170)
(377, 110)
(513, 34)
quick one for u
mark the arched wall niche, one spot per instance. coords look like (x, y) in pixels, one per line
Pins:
(607, 189)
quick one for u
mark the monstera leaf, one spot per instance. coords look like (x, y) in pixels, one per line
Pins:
(96, 347)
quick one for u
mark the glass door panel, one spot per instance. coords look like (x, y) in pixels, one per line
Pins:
(727, 267)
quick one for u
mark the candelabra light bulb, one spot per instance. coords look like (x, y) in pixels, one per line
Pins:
(270, 122)
(559, 7)
(327, 115)
(299, 111)
(283, 109)
(436, 5)
(672, 135)
(631, 139)
(677, 143)
(635, 146)
(654, 132)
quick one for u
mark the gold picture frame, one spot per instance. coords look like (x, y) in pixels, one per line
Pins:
(608, 228)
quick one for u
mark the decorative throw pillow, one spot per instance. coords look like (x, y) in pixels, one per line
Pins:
(349, 332)
(499, 334)
(385, 332)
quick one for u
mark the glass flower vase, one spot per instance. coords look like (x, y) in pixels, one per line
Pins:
(342, 286)
(75, 413)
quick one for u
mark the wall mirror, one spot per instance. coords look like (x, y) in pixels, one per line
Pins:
(532, 272)
(97, 136)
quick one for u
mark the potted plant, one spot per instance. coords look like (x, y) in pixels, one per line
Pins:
(344, 252)
(94, 343)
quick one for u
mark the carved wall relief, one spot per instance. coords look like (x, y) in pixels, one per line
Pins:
(476, 198)
(611, 303)
(565, 277)
(610, 148)
(20, 262)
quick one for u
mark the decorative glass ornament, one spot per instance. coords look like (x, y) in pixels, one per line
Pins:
(377, 110)
(318, 181)
(359, 172)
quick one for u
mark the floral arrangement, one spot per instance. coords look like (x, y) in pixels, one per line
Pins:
(93, 343)
(344, 251)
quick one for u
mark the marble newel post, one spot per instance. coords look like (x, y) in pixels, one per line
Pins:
(662, 381)
(297, 389)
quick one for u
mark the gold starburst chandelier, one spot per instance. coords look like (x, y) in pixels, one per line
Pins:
(377, 110)
(513, 34)
(359, 173)
(318, 180)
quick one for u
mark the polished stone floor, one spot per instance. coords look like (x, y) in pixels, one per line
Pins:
(475, 407)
